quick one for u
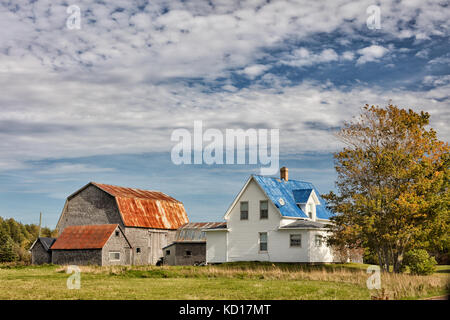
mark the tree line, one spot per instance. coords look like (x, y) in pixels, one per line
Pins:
(16, 239)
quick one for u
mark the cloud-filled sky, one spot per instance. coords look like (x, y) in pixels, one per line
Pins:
(99, 103)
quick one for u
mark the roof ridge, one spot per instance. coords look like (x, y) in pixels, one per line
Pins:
(277, 178)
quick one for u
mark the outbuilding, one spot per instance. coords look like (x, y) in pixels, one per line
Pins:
(40, 250)
(189, 247)
(92, 244)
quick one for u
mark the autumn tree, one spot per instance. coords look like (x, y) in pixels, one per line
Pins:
(392, 181)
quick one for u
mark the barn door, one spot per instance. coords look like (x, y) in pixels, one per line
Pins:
(150, 251)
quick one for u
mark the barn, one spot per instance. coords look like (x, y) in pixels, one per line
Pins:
(92, 244)
(147, 219)
(189, 246)
(40, 250)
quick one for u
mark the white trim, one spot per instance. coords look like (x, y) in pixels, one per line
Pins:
(113, 260)
(236, 200)
(210, 230)
(227, 213)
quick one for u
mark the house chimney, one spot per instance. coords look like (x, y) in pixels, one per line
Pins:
(284, 174)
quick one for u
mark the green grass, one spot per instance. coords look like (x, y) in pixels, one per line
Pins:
(228, 281)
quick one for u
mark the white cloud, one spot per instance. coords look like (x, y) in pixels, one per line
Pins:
(255, 70)
(118, 85)
(303, 57)
(371, 54)
(72, 168)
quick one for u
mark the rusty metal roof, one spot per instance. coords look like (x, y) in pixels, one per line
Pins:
(84, 237)
(147, 209)
(193, 231)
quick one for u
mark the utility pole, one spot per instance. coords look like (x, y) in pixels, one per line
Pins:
(40, 223)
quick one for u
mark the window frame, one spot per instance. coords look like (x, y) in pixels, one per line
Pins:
(261, 210)
(114, 252)
(321, 241)
(266, 242)
(240, 210)
(290, 240)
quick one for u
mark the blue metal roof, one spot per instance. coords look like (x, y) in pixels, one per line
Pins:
(290, 192)
(302, 195)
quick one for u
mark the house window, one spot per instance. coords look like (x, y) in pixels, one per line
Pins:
(138, 250)
(188, 253)
(296, 240)
(319, 240)
(167, 252)
(117, 233)
(244, 210)
(263, 241)
(264, 209)
(114, 256)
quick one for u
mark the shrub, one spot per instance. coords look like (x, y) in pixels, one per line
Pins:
(419, 262)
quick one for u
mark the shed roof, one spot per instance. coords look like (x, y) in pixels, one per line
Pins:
(285, 195)
(145, 208)
(194, 231)
(84, 237)
(46, 242)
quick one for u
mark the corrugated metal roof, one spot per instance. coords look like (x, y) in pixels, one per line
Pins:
(147, 209)
(302, 195)
(193, 231)
(84, 237)
(281, 193)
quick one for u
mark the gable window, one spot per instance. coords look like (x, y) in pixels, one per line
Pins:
(117, 233)
(296, 240)
(264, 209)
(244, 210)
(114, 256)
(319, 240)
(263, 241)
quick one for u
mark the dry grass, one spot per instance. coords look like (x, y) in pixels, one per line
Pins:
(394, 286)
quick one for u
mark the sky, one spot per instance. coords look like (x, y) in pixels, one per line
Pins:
(100, 103)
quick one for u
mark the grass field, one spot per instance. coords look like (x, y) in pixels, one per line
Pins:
(228, 281)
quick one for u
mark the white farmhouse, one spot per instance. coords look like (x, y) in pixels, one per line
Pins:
(271, 219)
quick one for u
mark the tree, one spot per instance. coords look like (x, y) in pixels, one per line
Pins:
(392, 178)
(7, 253)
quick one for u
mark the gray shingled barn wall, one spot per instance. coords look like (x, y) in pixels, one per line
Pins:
(39, 255)
(150, 242)
(178, 253)
(77, 257)
(116, 244)
(90, 206)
